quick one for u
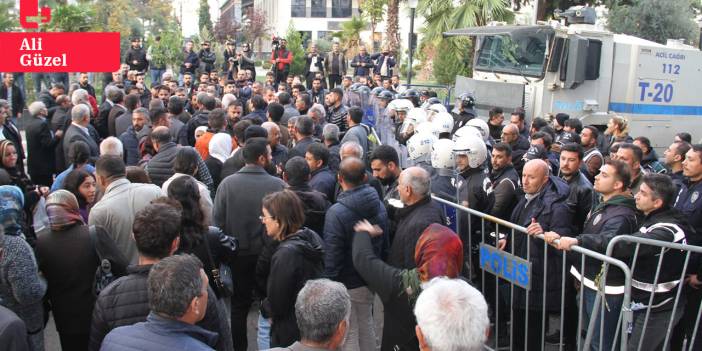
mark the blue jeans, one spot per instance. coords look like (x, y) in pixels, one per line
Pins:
(611, 317)
(156, 75)
(263, 337)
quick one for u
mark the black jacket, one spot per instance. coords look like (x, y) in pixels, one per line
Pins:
(68, 260)
(237, 206)
(208, 58)
(160, 167)
(222, 250)
(215, 167)
(473, 193)
(689, 203)
(581, 199)
(298, 258)
(308, 63)
(300, 148)
(551, 211)
(505, 187)
(324, 181)
(411, 222)
(519, 148)
(353, 205)
(186, 136)
(138, 55)
(126, 302)
(232, 164)
(316, 206)
(100, 122)
(17, 99)
(617, 216)
(460, 120)
(387, 282)
(41, 143)
(49, 102)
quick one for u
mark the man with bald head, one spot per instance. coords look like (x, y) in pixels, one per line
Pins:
(160, 167)
(518, 143)
(418, 210)
(542, 208)
(279, 153)
(358, 201)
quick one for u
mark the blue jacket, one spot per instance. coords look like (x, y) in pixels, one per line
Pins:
(256, 117)
(352, 205)
(159, 333)
(130, 141)
(324, 181)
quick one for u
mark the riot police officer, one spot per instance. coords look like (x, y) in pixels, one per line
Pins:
(464, 110)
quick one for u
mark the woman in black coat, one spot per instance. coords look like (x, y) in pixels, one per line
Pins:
(298, 258)
(220, 247)
(68, 258)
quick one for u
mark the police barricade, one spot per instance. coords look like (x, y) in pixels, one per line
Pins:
(658, 305)
(516, 288)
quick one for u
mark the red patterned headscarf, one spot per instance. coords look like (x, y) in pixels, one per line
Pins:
(439, 252)
(62, 209)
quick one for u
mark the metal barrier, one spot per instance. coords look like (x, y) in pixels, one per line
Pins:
(656, 286)
(499, 283)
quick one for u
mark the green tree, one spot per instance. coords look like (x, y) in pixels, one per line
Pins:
(350, 34)
(295, 40)
(255, 27)
(453, 55)
(373, 11)
(169, 49)
(204, 20)
(73, 18)
(655, 20)
(9, 20)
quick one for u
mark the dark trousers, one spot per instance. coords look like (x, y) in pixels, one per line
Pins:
(243, 269)
(527, 327)
(280, 76)
(334, 80)
(42, 179)
(686, 326)
(310, 77)
(78, 342)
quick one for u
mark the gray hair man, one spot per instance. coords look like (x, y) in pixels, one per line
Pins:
(111, 146)
(418, 211)
(80, 96)
(330, 137)
(178, 295)
(79, 131)
(451, 315)
(322, 309)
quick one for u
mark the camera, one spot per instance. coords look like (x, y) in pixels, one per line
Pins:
(275, 42)
(231, 59)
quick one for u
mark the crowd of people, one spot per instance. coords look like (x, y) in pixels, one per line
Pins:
(157, 218)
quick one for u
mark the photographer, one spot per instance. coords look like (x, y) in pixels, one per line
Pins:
(314, 64)
(384, 64)
(281, 59)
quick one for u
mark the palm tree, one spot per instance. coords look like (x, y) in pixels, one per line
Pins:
(350, 34)
(392, 25)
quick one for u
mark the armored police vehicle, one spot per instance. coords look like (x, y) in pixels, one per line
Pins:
(589, 73)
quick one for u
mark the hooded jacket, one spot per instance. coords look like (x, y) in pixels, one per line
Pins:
(617, 216)
(352, 205)
(550, 209)
(298, 258)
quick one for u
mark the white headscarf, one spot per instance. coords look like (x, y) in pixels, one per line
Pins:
(220, 146)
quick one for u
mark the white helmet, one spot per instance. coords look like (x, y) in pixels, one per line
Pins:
(400, 105)
(415, 116)
(443, 121)
(474, 147)
(442, 154)
(465, 131)
(482, 127)
(419, 145)
(435, 109)
(427, 127)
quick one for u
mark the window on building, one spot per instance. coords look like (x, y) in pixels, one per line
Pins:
(341, 8)
(319, 8)
(297, 8)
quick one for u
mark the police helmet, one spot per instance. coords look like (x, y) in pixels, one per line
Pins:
(467, 130)
(474, 147)
(426, 127)
(467, 100)
(386, 95)
(419, 145)
(442, 154)
(409, 94)
(481, 126)
(443, 121)
(376, 91)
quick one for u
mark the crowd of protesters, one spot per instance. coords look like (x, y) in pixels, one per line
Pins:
(155, 218)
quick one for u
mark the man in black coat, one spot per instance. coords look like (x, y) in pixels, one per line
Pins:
(581, 197)
(314, 63)
(543, 208)
(205, 103)
(418, 212)
(41, 142)
(156, 232)
(237, 208)
(10, 132)
(505, 182)
(12, 94)
(136, 57)
(304, 128)
(80, 119)
(160, 167)
(48, 97)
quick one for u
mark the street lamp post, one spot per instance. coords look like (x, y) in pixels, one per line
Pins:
(413, 7)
